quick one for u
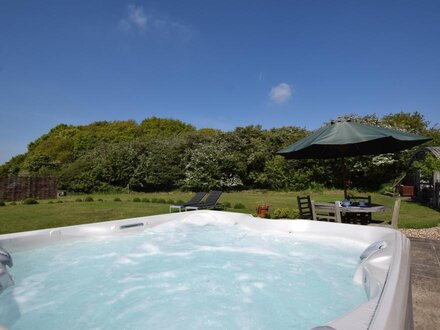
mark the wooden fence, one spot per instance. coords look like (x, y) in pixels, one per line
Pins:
(13, 188)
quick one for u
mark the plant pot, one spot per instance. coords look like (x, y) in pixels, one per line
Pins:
(262, 210)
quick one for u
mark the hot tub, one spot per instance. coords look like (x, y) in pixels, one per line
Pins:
(208, 269)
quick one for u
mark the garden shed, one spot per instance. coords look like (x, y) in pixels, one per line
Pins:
(424, 176)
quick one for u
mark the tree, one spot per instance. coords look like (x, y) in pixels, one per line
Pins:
(427, 166)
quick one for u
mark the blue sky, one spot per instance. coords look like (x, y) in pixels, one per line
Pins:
(217, 64)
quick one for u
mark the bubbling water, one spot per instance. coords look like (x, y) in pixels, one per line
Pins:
(183, 275)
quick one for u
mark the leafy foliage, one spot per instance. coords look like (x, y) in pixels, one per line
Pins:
(285, 213)
(29, 201)
(164, 154)
(427, 166)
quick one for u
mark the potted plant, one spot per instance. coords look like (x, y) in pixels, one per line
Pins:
(262, 210)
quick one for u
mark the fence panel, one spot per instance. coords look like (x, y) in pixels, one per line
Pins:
(13, 188)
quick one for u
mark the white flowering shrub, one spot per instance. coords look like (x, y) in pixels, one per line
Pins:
(211, 166)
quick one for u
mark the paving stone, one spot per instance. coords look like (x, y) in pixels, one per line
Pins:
(424, 255)
(422, 283)
(425, 270)
(425, 281)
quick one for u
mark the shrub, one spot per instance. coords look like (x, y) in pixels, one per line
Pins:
(29, 201)
(117, 199)
(59, 201)
(50, 202)
(13, 203)
(154, 200)
(78, 200)
(170, 201)
(100, 200)
(2, 203)
(88, 199)
(386, 188)
(317, 187)
(161, 200)
(136, 200)
(285, 213)
(180, 202)
(239, 206)
(227, 204)
(145, 200)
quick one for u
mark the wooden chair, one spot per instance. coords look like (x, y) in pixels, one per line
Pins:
(357, 199)
(394, 218)
(327, 211)
(362, 217)
(305, 207)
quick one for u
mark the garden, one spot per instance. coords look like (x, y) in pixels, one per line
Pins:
(80, 209)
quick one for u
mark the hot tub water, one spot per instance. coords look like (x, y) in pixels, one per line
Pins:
(183, 275)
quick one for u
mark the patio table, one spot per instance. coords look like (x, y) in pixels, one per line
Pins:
(353, 208)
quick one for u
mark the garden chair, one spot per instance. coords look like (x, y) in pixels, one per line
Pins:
(357, 199)
(394, 218)
(193, 201)
(326, 211)
(305, 207)
(209, 203)
(362, 217)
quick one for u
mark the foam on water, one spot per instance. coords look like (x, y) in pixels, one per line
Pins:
(183, 275)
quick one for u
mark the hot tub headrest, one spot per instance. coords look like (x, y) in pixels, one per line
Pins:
(372, 248)
(5, 257)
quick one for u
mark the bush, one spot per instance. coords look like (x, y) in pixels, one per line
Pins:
(239, 206)
(227, 204)
(78, 200)
(13, 203)
(59, 202)
(170, 201)
(154, 200)
(117, 199)
(285, 213)
(88, 199)
(2, 203)
(180, 202)
(29, 201)
(145, 200)
(386, 188)
(161, 200)
(50, 202)
(100, 200)
(136, 200)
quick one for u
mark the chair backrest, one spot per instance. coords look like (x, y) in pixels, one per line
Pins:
(213, 197)
(197, 198)
(366, 199)
(338, 211)
(327, 211)
(396, 211)
(305, 207)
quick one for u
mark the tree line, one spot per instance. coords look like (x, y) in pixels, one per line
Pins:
(166, 154)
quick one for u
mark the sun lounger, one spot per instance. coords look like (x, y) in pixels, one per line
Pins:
(193, 201)
(209, 203)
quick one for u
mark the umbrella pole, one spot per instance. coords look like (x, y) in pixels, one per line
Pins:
(344, 177)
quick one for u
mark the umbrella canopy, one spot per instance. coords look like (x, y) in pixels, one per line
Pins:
(342, 139)
(346, 139)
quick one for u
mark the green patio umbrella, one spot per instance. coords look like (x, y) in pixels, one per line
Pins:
(343, 138)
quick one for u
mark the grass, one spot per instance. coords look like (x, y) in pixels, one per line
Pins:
(52, 213)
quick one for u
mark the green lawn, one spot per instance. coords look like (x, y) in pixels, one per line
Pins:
(47, 214)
